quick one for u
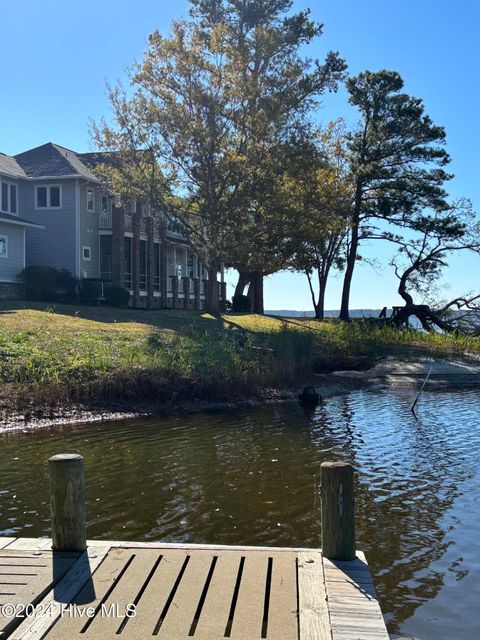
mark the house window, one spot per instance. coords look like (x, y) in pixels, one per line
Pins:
(3, 246)
(87, 253)
(90, 200)
(13, 198)
(8, 198)
(4, 196)
(48, 197)
(105, 204)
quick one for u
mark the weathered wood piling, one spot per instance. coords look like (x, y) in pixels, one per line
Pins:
(67, 502)
(337, 510)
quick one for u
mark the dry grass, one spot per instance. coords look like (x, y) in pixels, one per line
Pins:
(64, 354)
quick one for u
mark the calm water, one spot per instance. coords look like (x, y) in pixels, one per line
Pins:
(250, 478)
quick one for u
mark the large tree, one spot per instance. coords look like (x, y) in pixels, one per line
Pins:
(207, 105)
(397, 160)
(321, 194)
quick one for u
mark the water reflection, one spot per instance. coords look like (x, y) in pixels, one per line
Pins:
(250, 478)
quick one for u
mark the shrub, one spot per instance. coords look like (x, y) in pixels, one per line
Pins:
(241, 304)
(48, 284)
(91, 291)
(117, 296)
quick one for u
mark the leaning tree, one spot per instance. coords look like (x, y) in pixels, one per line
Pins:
(421, 260)
(397, 159)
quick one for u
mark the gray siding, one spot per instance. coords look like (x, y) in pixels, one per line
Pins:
(55, 245)
(89, 231)
(11, 266)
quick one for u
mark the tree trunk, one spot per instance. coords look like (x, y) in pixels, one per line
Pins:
(211, 297)
(255, 292)
(352, 256)
(427, 317)
(320, 306)
(243, 280)
(347, 280)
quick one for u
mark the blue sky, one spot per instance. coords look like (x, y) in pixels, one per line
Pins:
(57, 56)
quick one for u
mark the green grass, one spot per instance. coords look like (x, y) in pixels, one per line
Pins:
(61, 355)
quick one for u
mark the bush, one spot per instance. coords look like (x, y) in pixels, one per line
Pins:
(117, 296)
(91, 291)
(241, 304)
(48, 284)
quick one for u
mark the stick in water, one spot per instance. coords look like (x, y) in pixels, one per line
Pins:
(412, 408)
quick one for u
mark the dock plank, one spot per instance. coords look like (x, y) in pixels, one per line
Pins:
(214, 617)
(155, 596)
(313, 610)
(283, 614)
(25, 578)
(353, 607)
(109, 621)
(248, 615)
(180, 615)
(4, 541)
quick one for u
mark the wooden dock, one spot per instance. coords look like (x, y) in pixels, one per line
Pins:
(67, 587)
(180, 592)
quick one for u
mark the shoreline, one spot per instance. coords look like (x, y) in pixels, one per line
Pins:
(389, 372)
(77, 416)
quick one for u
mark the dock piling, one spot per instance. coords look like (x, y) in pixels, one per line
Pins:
(337, 510)
(67, 502)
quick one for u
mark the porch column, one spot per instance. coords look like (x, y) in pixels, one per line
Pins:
(186, 292)
(174, 292)
(150, 262)
(118, 246)
(136, 259)
(163, 263)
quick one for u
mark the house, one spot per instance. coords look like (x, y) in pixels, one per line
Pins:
(13, 226)
(80, 226)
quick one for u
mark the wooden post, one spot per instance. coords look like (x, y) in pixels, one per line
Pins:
(67, 502)
(186, 292)
(338, 512)
(196, 290)
(174, 292)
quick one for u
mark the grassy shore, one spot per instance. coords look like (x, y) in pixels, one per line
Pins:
(63, 355)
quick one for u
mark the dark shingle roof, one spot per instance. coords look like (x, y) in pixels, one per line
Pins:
(54, 161)
(10, 167)
(7, 217)
(96, 158)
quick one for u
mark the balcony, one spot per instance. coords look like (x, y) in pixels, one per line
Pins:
(105, 221)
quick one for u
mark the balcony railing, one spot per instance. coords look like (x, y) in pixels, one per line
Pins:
(105, 221)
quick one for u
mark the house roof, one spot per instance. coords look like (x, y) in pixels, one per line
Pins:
(52, 160)
(11, 219)
(10, 167)
(96, 158)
